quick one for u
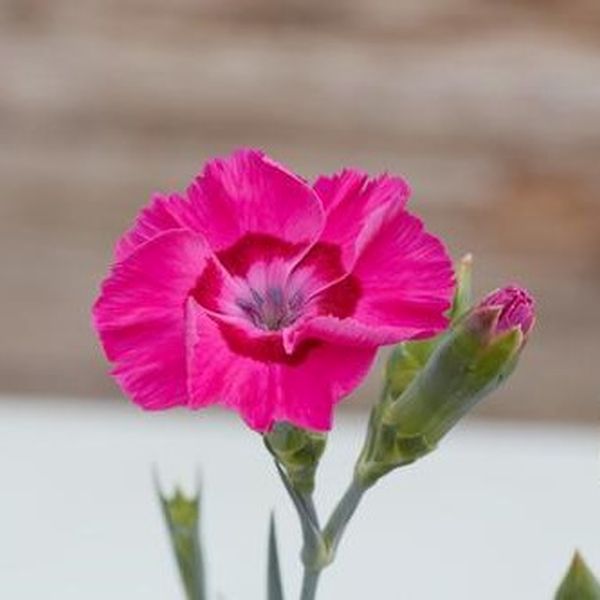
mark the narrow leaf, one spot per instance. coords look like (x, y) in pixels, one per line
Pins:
(579, 582)
(182, 517)
(274, 585)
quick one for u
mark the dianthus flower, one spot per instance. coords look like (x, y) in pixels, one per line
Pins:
(262, 293)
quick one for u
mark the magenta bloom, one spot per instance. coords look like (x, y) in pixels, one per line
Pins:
(266, 294)
(517, 308)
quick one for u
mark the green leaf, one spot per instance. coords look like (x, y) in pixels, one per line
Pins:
(274, 585)
(182, 517)
(579, 582)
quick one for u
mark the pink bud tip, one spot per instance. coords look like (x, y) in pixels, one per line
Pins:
(518, 308)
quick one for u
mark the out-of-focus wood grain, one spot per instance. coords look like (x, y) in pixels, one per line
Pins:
(492, 110)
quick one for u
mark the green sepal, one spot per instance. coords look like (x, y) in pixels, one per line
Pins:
(463, 296)
(579, 583)
(274, 584)
(298, 451)
(182, 517)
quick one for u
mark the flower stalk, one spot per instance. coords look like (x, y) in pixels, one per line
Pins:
(296, 453)
(343, 512)
(331, 536)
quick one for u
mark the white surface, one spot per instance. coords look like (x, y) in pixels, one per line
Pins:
(494, 514)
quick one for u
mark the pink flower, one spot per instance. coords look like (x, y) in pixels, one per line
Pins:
(267, 295)
(517, 308)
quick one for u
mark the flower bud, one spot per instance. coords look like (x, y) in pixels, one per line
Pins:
(472, 360)
(517, 308)
(298, 451)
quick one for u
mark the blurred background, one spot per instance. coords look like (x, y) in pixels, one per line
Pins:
(490, 109)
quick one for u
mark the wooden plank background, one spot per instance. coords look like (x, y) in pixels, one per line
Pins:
(492, 111)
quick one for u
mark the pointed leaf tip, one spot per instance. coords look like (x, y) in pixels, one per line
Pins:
(182, 518)
(579, 583)
(463, 293)
(274, 585)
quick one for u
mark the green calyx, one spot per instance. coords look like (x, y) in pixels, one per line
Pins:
(468, 363)
(298, 451)
(388, 450)
(405, 363)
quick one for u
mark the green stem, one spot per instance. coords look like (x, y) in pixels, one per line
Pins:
(309, 584)
(315, 562)
(310, 506)
(334, 530)
(320, 545)
(314, 552)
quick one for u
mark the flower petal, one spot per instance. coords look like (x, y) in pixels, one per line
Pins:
(345, 331)
(249, 371)
(405, 273)
(400, 287)
(246, 205)
(319, 268)
(250, 194)
(349, 197)
(140, 317)
(164, 213)
(219, 375)
(311, 389)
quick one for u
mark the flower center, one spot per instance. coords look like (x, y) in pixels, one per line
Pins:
(272, 309)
